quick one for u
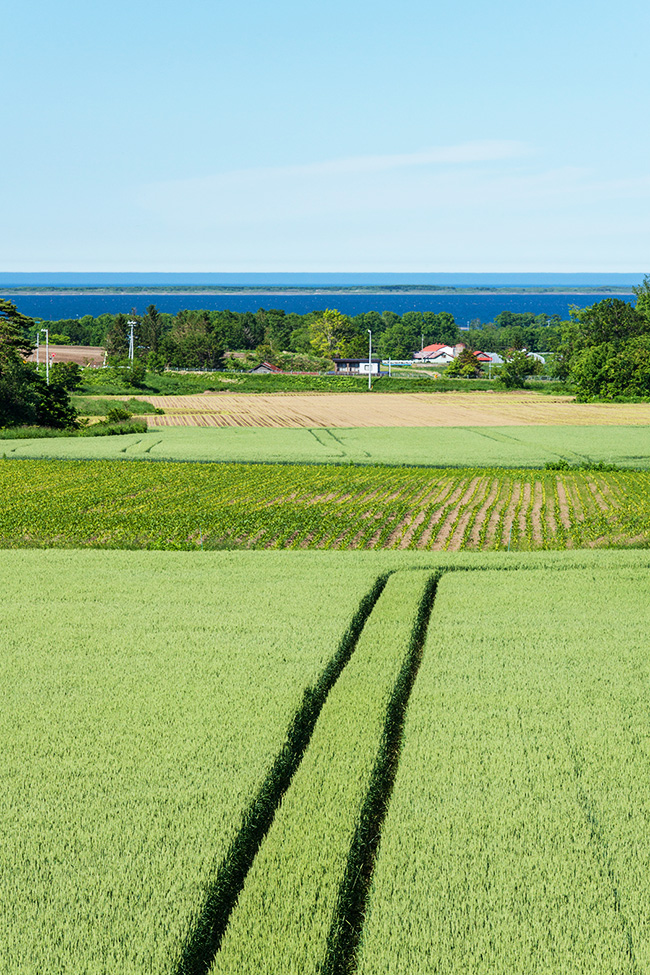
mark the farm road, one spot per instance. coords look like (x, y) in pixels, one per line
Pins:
(389, 410)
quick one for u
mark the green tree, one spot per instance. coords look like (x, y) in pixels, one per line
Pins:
(330, 332)
(117, 338)
(66, 374)
(278, 329)
(464, 366)
(194, 342)
(301, 340)
(400, 341)
(25, 397)
(603, 350)
(440, 327)
(150, 330)
(643, 299)
(611, 320)
(14, 330)
(517, 367)
(609, 370)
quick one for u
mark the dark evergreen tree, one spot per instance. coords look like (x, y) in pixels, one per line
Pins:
(150, 331)
(117, 339)
(25, 397)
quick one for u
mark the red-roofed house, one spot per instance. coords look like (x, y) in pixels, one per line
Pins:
(266, 367)
(438, 353)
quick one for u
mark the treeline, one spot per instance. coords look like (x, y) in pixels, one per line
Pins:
(516, 330)
(199, 339)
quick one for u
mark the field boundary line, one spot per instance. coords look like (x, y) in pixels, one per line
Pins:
(345, 932)
(202, 945)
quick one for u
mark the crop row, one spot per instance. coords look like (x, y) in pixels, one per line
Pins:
(184, 506)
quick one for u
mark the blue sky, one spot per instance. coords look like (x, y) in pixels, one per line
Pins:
(353, 136)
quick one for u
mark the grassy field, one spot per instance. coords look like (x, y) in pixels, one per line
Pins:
(518, 836)
(174, 505)
(98, 406)
(514, 446)
(200, 753)
(144, 703)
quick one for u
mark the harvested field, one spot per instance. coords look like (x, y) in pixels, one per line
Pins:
(390, 410)
(83, 355)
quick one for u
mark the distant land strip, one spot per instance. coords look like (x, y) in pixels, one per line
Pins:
(193, 289)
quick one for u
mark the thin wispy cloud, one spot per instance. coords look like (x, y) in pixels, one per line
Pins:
(466, 153)
(345, 185)
(438, 207)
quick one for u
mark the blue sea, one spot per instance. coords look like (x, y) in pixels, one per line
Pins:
(464, 308)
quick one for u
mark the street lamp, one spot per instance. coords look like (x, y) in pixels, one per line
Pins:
(369, 358)
(47, 354)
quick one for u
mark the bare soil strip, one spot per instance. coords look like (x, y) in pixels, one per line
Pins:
(398, 532)
(456, 540)
(413, 527)
(536, 512)
(598, 497)
(445, 531)
(508, 521)
(477, 527)
(494, 517)
(523, 510)
(565, 511)
(83, 355)
(575, 501)
(548, 513)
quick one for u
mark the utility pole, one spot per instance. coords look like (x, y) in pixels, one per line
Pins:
(369, 359)
(131, 325)
(47, 354)
(38, 345)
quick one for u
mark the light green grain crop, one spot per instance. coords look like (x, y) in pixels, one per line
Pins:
(513, 446)
(288, 905)
(518, 836)
(143, 700)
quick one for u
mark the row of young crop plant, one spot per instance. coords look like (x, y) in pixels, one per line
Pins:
(144, 702)
(518, 834)
(177, 505)
(287, 917)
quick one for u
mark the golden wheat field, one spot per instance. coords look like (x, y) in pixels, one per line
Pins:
(389, 410)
